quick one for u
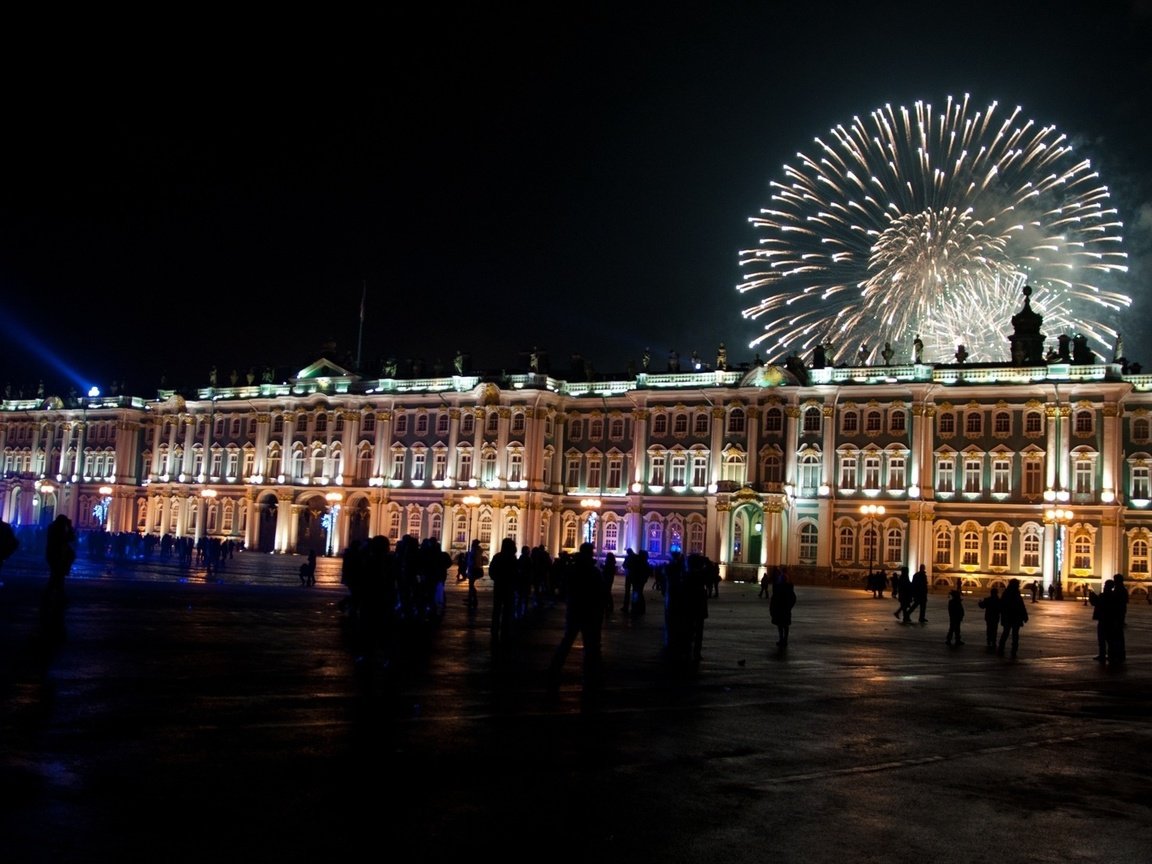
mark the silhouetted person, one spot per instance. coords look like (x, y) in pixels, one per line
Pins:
(59, 553)
(608, 573)
(474, 569)
(919, 595)
(955, 617)
(1117, 650)
(904, 596)
(1013, 616)
(8, 543)
(780, 608)
(991, 607)
(583, 617)
(1104, 614)
(503, 571)
(308, 571)
(697, 584)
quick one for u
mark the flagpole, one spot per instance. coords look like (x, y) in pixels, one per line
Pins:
(360, 337)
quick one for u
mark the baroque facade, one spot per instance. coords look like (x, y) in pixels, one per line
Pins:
(1039, 471)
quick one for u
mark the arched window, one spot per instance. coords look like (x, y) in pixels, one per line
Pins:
(845, 543)
(812, 419)
(943, 547)
(736, 421)
(774, 420)
(999, 549)
(894, 545)
(970, 548)
(809, 542)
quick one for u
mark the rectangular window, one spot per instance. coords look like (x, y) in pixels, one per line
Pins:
(973, 468)
(572, 472)
(945, 476)
(871, 472)
(397, 466)
(439, 465)
(515, 467)
(1001, 475)
(465, 473)
(615, 472)
(595, 467)
(1082, 477)
(1140, 485)
(419, 460)
(1033, 478)
(657, 471)
(896, 473)
(699, 471)
(679, 470)
(848, 472)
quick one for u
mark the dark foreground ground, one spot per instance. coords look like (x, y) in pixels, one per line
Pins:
(185, 720)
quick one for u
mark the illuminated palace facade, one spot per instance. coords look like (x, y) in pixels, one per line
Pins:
(983, 472)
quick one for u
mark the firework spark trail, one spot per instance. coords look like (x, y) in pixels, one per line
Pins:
(931, 224)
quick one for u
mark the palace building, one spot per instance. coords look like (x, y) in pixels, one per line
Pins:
(1037, 468)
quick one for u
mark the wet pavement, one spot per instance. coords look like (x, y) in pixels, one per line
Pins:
(185, 719)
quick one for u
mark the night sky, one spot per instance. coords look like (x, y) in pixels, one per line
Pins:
(219, 191)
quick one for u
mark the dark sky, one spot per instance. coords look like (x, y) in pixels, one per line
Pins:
(182, 193)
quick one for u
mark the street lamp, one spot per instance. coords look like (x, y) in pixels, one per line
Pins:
(1058, 517)
(871, 512)
(104, 507)
(330, 519)
(592, 504)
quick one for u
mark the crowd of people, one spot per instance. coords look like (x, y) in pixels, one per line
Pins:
(392, 587)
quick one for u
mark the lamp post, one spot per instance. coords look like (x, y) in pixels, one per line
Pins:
(871, 512)
(471, 502)
(206, 496)
(1058, 518)
(104, 508)
(331, 520)
(592, 504)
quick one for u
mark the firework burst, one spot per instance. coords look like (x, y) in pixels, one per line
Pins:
(916, 223)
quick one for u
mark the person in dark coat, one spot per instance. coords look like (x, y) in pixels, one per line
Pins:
(697, 586)
(474, 570)
(1013, 616)
(919, 595)
(1103, 612)
(955, 616)
(780, 608)
(503, 571)
(1117, 651)
(991, 607)
(904, 596)
(584, 617)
